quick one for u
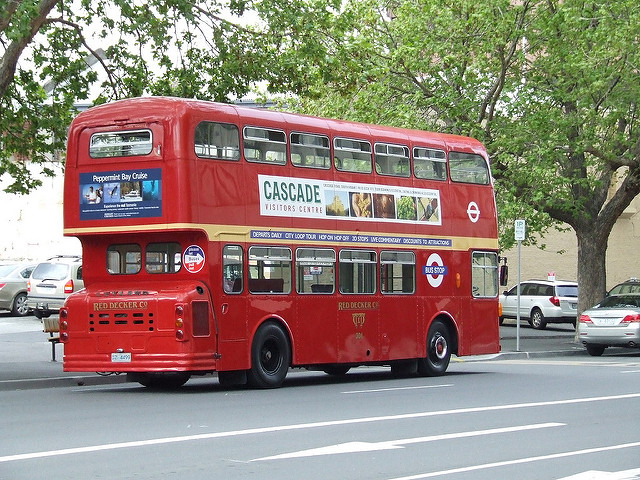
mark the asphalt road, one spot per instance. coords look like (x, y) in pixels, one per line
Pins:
(542, 418)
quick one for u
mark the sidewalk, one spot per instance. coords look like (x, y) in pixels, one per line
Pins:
(25, 353)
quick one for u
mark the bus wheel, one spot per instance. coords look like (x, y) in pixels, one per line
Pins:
(438, 351)
(163, 381)
(336, 370)
(270, 357)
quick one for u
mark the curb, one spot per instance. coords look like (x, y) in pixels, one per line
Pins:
(55, 382)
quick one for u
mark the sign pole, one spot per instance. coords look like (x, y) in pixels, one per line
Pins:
(520, 230)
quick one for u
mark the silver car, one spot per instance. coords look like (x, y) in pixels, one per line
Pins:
(52, 282)
(542, 302)
(13, 287)
(614, 322)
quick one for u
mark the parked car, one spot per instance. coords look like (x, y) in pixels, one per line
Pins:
(13, 287)
(614, 322)
(52, 282)
(630, 286)
(542, 302)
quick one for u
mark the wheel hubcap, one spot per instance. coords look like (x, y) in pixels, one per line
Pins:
(440, 347)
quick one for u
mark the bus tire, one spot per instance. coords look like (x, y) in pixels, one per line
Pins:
(270, 357)
(438, 351)
(336, 370)
(161, 381)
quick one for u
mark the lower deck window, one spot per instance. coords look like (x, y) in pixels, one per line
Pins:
(269, 270)
(124, 259)
(315, 270)
(484, 274)
(397, 272)
(163, 257)
(357, 271)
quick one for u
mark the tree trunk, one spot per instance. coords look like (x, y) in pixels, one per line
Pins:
(592, 280)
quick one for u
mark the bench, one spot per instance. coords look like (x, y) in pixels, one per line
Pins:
(52, 327)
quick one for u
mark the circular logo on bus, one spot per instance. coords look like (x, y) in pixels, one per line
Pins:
(193, 258)
(435, 270)
(473, 211)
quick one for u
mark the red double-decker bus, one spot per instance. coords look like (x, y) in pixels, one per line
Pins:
(218, 238)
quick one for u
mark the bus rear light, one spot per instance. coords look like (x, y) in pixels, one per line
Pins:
(555, 300)
(64, 325)
(68, 287)
(64, 337)
(179, 310)
(64, 313)
(179, 323)
(179, 335)
(586, 319)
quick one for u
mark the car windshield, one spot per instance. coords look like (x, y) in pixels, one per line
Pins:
(51, 271)
(625, 288)
(621, 301)
(6, 270)
(567, 290)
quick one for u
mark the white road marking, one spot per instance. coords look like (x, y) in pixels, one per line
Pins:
(395, 388)
(474, 468)
(302, 426)
(599, 475)
(357, 447)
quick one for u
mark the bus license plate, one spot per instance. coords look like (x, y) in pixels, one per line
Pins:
(121, 357)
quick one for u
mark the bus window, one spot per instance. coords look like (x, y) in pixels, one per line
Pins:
(484, 274)
(120, 144)
(265, 145)
(357, 271)
(352, 155)
(429, 163)
(269, 269)
(397, 272)
(124, 259)
(468, 168)
(163, 257)
(217, 140)
(310, 151)
(315, 270)
(232, 268)
(392, 159)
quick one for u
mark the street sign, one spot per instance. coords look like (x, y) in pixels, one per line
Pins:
(520, 229)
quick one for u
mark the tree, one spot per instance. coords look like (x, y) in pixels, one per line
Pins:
(177, 47)
(549, 86)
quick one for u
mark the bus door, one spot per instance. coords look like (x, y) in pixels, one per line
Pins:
(231, 314)
(358, 307)
(399, 328)
(315, 319)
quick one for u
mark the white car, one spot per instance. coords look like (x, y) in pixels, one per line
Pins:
(51, 282)
(614, 322)
(542, 302)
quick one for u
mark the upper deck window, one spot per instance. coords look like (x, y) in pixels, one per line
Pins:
(468, 168)
(429, 163)
(310, 151)
(352, 155)
(265, 145)
(120, 144)
(217, 140)
(392, 159)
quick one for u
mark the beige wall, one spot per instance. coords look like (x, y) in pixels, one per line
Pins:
(623, 254)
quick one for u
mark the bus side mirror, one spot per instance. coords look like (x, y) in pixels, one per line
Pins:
(504, 275)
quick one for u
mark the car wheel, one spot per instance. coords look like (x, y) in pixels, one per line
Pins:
(537, 319)
(438, 351)
(595, 350)
(20, 308)
(270, 357)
